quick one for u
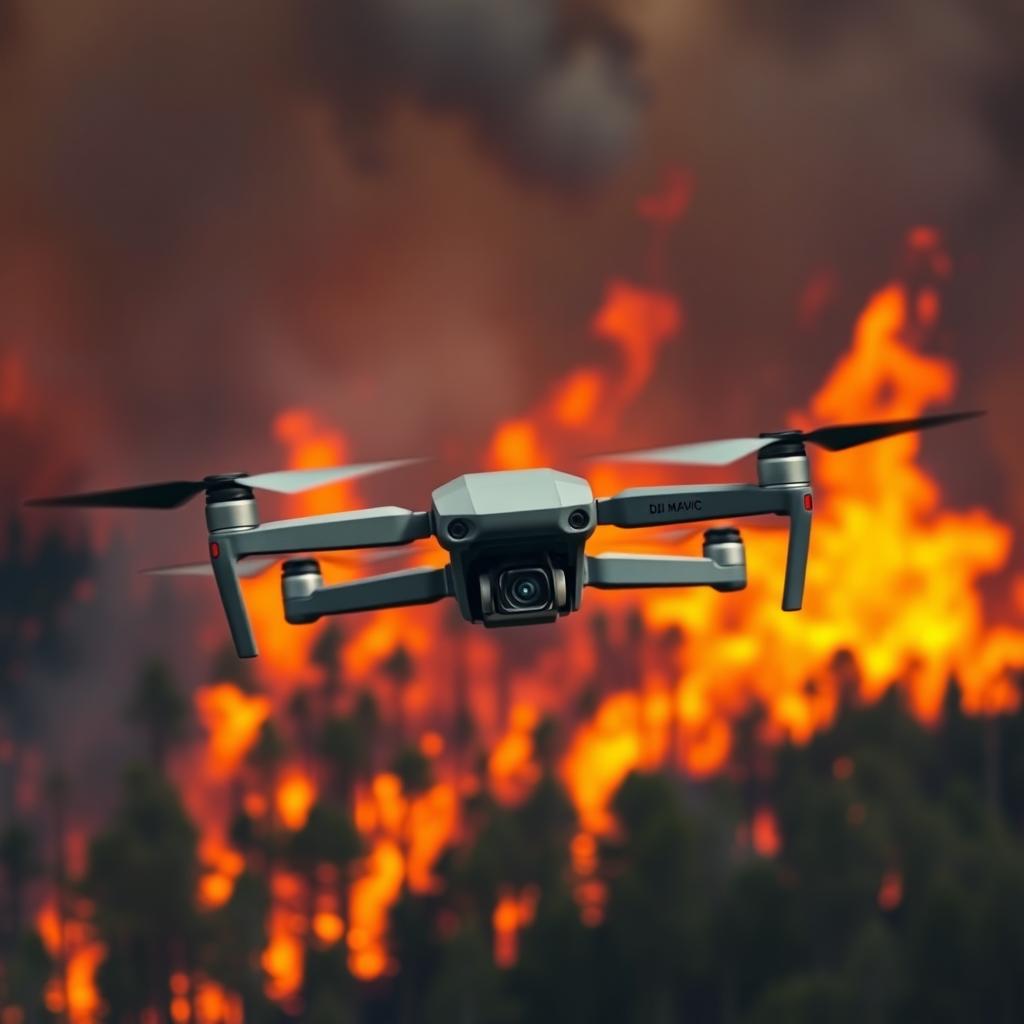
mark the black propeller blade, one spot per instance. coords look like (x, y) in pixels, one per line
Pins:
(174, 493)
(164, 495)
(837, 438)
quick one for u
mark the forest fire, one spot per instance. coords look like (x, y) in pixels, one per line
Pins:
(893, 582)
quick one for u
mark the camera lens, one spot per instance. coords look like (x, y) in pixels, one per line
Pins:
(524, 590)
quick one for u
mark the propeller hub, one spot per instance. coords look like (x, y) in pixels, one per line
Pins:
(789, 445)
(221, 478)
(229, 504)
(224, 487)
(783, 463)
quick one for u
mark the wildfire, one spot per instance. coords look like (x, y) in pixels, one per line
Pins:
(71, 942)
(513, 912)
(232, 720)
(893, 578)
(295, 796)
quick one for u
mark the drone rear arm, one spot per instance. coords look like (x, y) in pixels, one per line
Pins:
(613, 572)
(375, 527)
(658, 506)
(406, 587)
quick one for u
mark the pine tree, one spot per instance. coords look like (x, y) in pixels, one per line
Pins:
(161, 711)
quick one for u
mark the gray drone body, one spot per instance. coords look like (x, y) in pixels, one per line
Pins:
(515, 539)
(516, 542)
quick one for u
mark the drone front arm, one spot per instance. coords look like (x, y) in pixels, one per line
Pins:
(614, 572)
(365, 528)
(661, 506)
(406, 587)
(237, 539)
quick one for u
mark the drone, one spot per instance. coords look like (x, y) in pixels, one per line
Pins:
(515, 539)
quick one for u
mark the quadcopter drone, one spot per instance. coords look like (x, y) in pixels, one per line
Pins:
(516, 539)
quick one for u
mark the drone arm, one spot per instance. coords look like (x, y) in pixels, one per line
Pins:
(662, 506)
(366, 528)
(408, 587)
(375, 527)
(614, 572)
(657, 506)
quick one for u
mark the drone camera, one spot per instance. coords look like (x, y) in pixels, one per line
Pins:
(524, 590)
(514, 595)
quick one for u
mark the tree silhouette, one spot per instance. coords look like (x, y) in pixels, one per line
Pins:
(19, 863)
(345, 753)
(657, 903)
(326, 655)
(233, 937)
(141, 874)
(303, 720)
(24, 971)
(57, 788)
(160, 709)
(265, 758)
(466, 986)
(365, 717)
(398, 667)
(328, 838)
(227, 666)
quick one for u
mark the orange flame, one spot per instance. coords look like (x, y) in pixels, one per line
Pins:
(295, 796)
(893, 577)
(512, 913)
(637, 322)
(232, 720)
(78, 995)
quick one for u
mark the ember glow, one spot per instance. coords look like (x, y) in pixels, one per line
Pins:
(894, 578)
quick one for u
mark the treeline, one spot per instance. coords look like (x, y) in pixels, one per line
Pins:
(892, 888)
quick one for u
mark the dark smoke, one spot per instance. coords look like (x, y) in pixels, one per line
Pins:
(551, 90)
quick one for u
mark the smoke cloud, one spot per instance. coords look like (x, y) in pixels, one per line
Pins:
(548, 88)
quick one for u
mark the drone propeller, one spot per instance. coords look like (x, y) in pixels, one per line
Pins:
(250, 567)
(834, 439)
(172, 494)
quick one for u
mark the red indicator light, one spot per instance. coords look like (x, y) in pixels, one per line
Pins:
(214, 549)
(808, 502)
